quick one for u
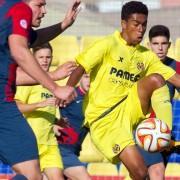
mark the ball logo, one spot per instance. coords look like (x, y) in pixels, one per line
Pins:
(23, 23)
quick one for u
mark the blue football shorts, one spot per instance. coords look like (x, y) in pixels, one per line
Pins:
(17, 142)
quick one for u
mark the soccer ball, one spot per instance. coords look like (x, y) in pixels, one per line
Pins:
(153, 135)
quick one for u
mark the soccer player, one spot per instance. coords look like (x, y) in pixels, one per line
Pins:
(126, 79)
(73, 134)
(159, 42)
(18, 145)
(38, 106)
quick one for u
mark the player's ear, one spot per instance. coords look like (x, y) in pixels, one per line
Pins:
(123, 24)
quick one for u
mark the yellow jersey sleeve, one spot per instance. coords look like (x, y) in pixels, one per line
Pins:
(22, 93)
(156, 66)
(93, 55)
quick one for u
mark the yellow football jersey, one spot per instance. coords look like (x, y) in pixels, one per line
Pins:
(42, 119)
(114, 67)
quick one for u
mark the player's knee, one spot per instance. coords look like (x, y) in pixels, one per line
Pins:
(157, 170)
(156, 80)
(36, 176)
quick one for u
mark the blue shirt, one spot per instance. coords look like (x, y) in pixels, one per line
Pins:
(173, 64)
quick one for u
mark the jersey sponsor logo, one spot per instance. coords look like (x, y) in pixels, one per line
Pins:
(124, 74)
(46, 95)
(116, 149)
(23, 23)
(120, 82)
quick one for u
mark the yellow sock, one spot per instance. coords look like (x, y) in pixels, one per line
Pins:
(161, 105)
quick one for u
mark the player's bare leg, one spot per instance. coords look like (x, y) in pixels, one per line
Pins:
(157, 171)
(54, 174)
(134, 162)
(78, 173)
(29, 169)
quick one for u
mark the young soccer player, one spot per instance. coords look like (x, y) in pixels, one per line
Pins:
(38, 106)
(126, 79)
(73, 134)
(17, 17)
(159, 42)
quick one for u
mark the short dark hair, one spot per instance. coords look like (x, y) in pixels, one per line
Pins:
(159, 30)
(133, 7)
(43, 46)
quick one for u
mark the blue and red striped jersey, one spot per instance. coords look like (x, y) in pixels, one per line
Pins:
(15, 18)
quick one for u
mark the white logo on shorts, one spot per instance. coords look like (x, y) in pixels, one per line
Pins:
(23, 23)
(78, 101)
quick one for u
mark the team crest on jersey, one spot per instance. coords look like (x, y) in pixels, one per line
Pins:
(2, 2)
(116, 148)
(23, 23)
(140, 66)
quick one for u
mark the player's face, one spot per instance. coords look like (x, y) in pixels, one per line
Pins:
(38, 10)
(85, 82)
(160, 45)
(134, 28)
(44, 58)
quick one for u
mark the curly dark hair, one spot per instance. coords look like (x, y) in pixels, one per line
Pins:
(133, 7)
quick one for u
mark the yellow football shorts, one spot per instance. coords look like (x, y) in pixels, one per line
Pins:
(112, 133)
(49, 156)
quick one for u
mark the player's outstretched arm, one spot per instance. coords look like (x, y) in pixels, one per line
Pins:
(75, 76)
(46, 34)
(71, 15)
(24, 58)
(61, 72)
(28, 108)
(73, 80)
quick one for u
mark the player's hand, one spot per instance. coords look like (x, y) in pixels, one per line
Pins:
(65, 94)
(63, 122)
(64, 70)
(170, 147)
(174, 145)
(71, 14)
(57, 130)
(47, 102)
